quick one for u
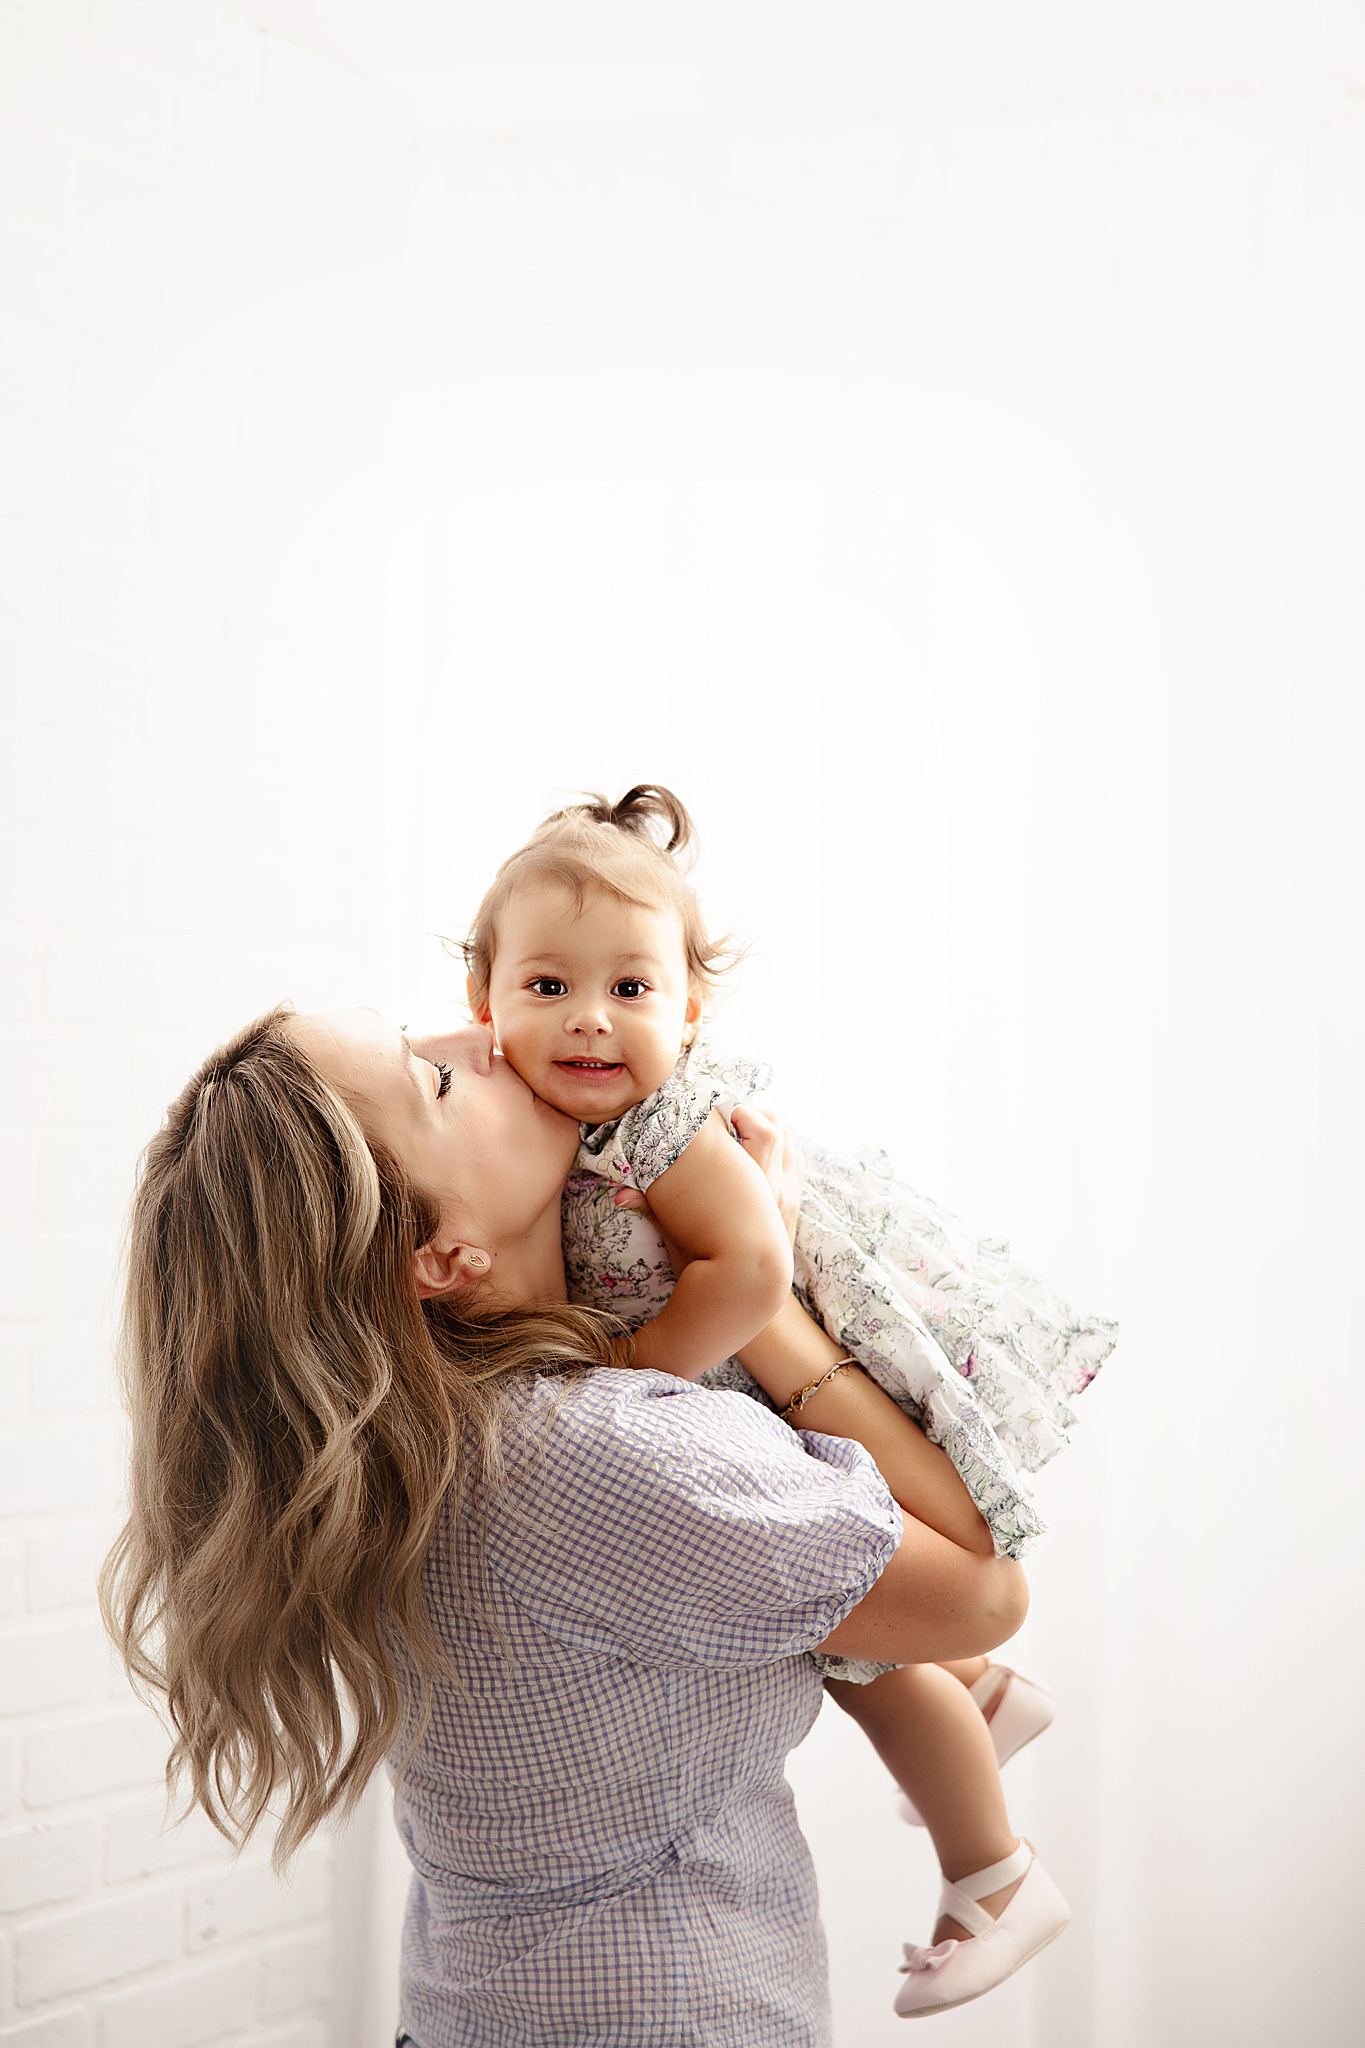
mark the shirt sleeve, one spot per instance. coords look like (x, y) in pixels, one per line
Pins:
(670, 1523)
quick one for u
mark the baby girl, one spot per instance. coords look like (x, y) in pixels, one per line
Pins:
(590, 959)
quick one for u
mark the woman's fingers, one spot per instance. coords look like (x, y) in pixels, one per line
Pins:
(756, 1132)
(775, 1152)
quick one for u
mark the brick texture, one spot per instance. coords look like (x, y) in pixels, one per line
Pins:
(194, 354)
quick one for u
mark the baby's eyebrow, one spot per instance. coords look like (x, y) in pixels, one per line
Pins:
(557, 960)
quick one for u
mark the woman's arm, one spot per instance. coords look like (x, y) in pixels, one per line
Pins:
(944, 1593)
(793, 1351)
(731, 1252)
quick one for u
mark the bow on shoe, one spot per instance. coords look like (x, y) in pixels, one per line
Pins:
(917, 1958)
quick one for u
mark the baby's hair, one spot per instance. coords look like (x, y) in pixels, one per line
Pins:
(601, 845)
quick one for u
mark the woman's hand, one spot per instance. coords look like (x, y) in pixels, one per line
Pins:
(777, 1155)
(773, 1150)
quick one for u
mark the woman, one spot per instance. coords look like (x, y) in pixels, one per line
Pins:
(381, 1467)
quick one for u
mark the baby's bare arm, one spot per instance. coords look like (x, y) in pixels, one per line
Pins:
(716, 1205)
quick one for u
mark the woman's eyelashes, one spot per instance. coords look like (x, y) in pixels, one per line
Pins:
(626, 981)
(444, 1071)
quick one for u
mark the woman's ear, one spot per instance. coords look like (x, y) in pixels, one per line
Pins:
(439, 1272)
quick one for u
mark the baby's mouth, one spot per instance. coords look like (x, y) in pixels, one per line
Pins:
(594, 1068)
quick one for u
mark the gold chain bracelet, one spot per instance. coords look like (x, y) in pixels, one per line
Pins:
(799, 1400)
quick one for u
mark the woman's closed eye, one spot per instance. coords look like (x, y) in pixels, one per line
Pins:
(444, 1071)
(626, 981)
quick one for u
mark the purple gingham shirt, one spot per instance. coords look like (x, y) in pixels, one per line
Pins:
(604, 1845)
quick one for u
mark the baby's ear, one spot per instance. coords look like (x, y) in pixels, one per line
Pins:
(478, 1011)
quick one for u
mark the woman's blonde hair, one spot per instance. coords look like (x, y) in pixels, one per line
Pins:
(601, 845)
(299, 1418)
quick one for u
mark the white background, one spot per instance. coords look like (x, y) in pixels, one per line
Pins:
(931, 447)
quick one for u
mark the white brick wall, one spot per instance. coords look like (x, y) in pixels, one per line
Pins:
(61, 1953)
(199, 814)
(69, 2029)
(48, 1861)
(198, 2005)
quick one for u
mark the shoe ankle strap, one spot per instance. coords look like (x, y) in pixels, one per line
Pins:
(981, 1883)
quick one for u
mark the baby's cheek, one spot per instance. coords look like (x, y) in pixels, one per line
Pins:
(535, 1079)
(515, 1049)
(558, 1098)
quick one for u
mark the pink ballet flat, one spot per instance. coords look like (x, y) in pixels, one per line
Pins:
(1025, 1710)
(952, 1972)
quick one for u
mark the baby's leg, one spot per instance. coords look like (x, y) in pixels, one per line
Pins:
(967, 1670)
(932, 1737)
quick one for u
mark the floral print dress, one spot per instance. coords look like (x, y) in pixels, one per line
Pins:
(980, 1351)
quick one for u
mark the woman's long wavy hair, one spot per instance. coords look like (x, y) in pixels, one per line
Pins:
(299, 1417)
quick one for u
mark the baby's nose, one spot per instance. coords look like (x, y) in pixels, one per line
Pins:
(586, 1016)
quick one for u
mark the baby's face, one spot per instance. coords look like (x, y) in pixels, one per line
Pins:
(608, 984)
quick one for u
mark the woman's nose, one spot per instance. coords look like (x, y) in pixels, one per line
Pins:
(480, 1040)
(470, 1043)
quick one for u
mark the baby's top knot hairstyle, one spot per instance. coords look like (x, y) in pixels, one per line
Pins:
(646, 801)
(615, 848)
